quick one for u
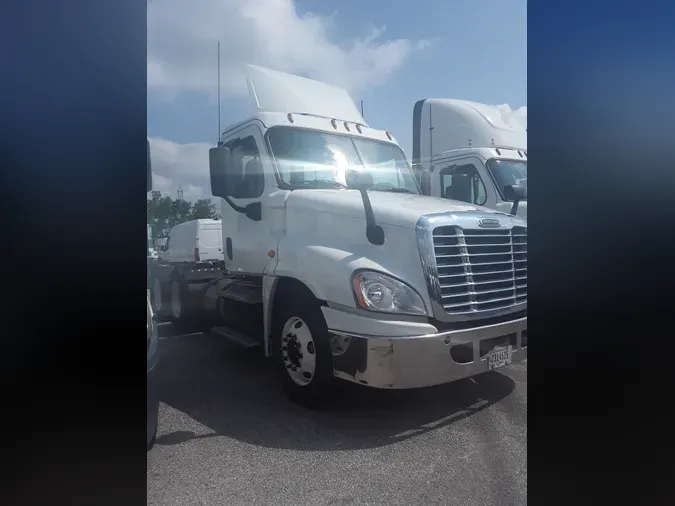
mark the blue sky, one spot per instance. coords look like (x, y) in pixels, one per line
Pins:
(469, 49)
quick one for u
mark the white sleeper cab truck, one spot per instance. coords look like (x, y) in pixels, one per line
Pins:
(339, 267)
(471, 152)
(190, 258)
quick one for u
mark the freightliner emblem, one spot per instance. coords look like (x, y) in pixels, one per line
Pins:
(489, 223)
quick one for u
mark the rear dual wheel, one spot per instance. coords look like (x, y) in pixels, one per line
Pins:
(170, 301)
(158, 297)
(177, 296)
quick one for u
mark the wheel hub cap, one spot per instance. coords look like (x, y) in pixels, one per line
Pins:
(298, 351)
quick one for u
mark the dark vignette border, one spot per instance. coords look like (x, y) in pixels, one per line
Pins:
(74, 121)
(73, 111)
(600, 100)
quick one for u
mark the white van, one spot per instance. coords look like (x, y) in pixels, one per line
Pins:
(194, 241)
(191, 257)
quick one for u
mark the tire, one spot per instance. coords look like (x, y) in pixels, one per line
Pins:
(151, 443)
(178, 308)
(181, 311)
(299, 323)
(159, 297)
(153, 409)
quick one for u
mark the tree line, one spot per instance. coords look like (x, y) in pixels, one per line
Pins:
(165, 212)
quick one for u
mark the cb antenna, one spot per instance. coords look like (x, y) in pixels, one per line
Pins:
(218, 93)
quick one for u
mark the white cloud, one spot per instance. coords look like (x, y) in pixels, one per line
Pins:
(182, 51)
(519, 114)
(180, 165)
(160, 182)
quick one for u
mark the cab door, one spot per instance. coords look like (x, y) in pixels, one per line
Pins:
(478, 191)
(247, 242)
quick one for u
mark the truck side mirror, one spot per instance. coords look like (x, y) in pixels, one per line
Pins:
(516, 193)
(149, 170)
(224, 183)
(220, 161)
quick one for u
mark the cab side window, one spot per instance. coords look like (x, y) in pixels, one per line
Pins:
(247, 168)
(463, 183)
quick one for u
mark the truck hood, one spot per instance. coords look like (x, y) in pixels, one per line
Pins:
(395, 209)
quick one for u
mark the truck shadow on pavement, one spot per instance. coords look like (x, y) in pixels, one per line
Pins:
(234, 393)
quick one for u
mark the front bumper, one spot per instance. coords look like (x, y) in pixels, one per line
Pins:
(401, 362)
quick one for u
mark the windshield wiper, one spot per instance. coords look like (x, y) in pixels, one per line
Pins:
(393, 190)
(330, 183)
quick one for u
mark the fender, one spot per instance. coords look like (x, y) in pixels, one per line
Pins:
(326, 270)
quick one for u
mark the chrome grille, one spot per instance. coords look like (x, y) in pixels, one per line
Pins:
(480, 270)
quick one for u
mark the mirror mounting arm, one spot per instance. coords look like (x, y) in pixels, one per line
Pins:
(516, 193)
(253, 211)
(234, 206)
(374, 233)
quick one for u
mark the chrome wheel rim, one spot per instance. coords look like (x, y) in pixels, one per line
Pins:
(298, 352)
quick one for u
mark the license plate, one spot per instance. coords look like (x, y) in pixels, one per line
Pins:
(499, 357)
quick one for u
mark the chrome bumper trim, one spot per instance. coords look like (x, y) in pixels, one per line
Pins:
(419, 361)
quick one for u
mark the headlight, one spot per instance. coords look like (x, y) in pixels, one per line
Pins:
(379, 292)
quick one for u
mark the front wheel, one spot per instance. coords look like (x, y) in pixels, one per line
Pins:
(302, 353)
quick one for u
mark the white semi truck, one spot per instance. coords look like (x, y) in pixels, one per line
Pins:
(339, 268)
(471, 152)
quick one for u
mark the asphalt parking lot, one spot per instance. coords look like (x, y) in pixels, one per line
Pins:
(228, 436)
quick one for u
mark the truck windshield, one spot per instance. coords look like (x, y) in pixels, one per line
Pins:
(313, 159)
(507, 172)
